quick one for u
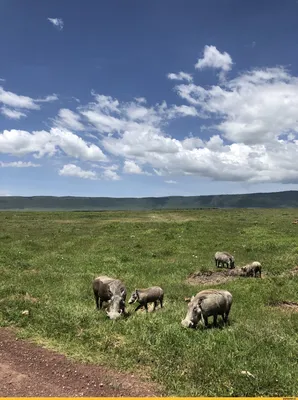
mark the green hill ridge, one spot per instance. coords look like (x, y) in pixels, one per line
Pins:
(251, 200)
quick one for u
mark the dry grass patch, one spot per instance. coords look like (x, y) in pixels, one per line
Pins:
(287, 306)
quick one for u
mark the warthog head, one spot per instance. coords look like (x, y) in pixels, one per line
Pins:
(116, 306)
(193, 315)
(134, 297)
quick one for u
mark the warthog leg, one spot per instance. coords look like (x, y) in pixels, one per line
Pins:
(160, 301)
(138, 307)
(205, 321)
(96, 301)
(215, 320)
(155, 305)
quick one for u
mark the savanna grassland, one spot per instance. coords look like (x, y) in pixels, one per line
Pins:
(48, 261)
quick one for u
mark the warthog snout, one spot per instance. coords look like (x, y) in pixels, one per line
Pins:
(133, 298)
(187, 324)
(113, 315)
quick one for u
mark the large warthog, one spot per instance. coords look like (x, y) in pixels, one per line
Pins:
(222, 258)
(153, 294)
(113, 292)
(252, 269)
(210, 302)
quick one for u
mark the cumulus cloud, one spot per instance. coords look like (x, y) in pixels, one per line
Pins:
(251, 114)
(213, 58)
(57, 22)
(75, 171)
(181, 76)
(18, 164)
(68, 119)
(111, 175)
(130, 167)
(252, 135)
(12, 114)
(13, 103)
(41, 143)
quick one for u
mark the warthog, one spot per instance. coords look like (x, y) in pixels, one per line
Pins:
(222, 258)
(252, 269)
(112, 291)
(210, 302)
(145, 296)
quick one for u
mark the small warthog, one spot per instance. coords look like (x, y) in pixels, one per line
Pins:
(210, 302)
(252, 269)
(112, 291)
(145, 296)
(222, 258)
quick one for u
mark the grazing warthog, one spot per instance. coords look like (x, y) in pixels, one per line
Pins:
(252, 269)
(222, 258)
(145, 296)
(112, 291)
(210, 302)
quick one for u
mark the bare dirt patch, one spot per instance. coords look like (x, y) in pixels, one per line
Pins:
(211, 277)
(289, 306)
(215, 277)
(294, 271)
(30, 370)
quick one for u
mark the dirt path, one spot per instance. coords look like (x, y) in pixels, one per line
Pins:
(29, 370)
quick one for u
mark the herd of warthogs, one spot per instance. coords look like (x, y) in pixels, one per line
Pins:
(206, 303)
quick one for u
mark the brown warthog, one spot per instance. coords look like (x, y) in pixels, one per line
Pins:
(252, 269)
(210, 302)
(145, 296)
(222, 258)
(112, 291)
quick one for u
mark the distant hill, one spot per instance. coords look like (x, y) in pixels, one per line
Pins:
(252, 200)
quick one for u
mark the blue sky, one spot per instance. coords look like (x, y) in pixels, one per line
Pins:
(152, 98)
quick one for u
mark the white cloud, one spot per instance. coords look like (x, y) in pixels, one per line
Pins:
(183, 110)
(171, 182)
(12, 114)
(256, 107)
(18, 164)
(57, 22)
(41, 143)
(212, 58)
(141, 100)
(68, 119)
(47, 99)
(2, 80)
(130, 167)
(111, 175)
(180, 76)
(252, 135)
(78, 172)
(253, 112)
(24, 102)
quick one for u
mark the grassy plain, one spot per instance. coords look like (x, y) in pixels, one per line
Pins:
(48, 261)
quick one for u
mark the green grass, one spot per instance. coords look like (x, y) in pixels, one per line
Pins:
(53, 256)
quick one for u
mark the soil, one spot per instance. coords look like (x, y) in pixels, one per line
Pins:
(294, 271)
(216, 277)
(212, 277)
(289, 306)
(28, 370)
